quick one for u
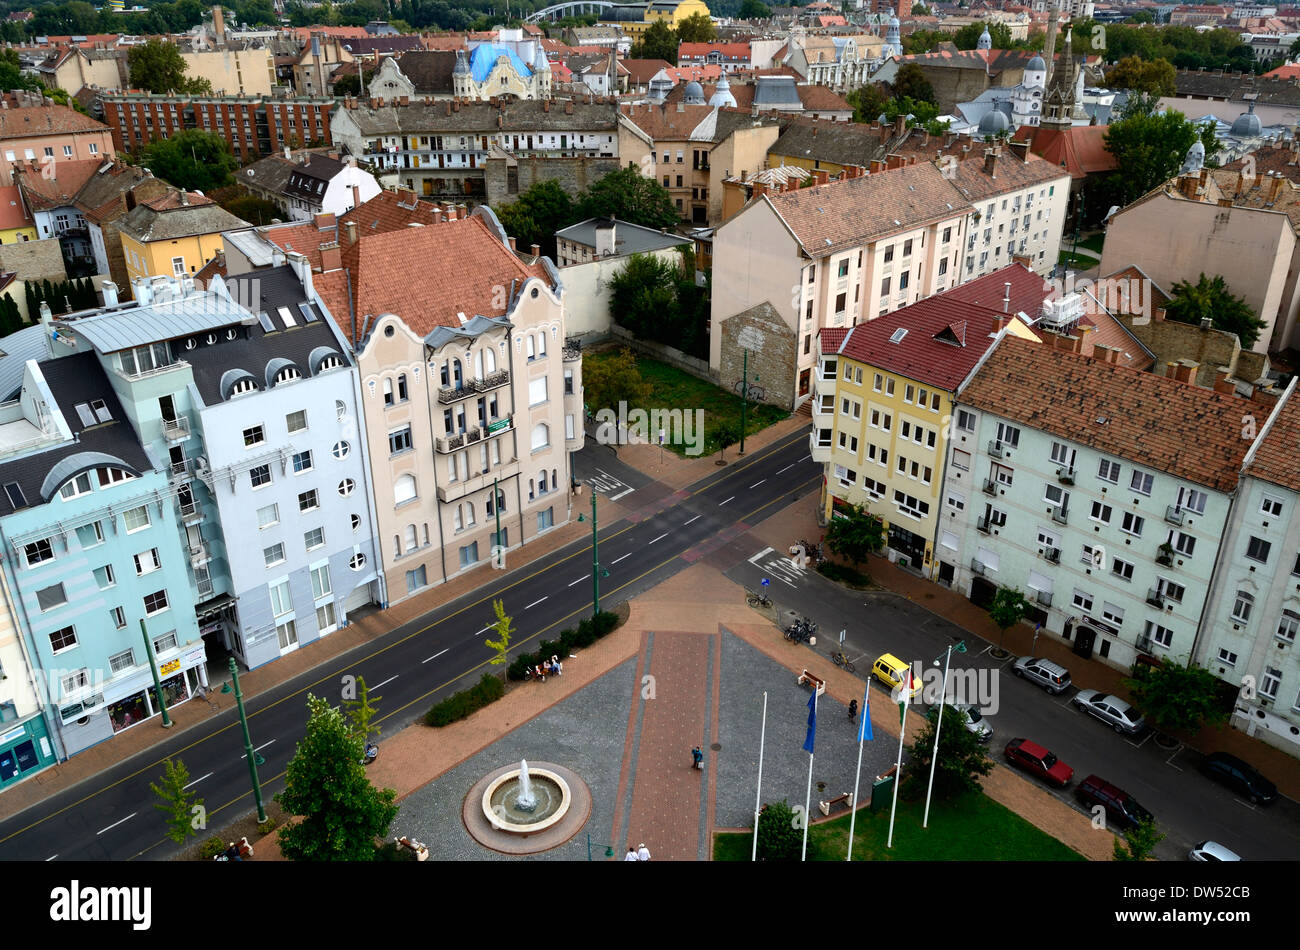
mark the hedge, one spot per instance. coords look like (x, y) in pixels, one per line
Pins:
(588, 632)
(460, 705)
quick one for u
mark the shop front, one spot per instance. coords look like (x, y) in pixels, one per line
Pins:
(25, 749)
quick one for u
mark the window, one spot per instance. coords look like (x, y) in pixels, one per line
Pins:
(1092, 555)
(1047, 538)
(121, 662)
(281, 603)
(302, 462)
(308, 501)
(1268, 686)
(1257, 550)
(296, 421)
(1271, 506)
(1171, 590)
(287, 634)
(956, 501)
(348, 486)
(341, 450)
(388, 392)
(268, 516)
(164, 643)
(1192, 500)
(104, 577)
(1227, 657)
(828, 369)
(259, 475)
(1141, 483)
(314, 538)
(1056, 495)
(90, 535)
(961, 460)
(50, 597)
(1120, 568)
(1112, 614)
(965, 420)
(136, 519)
(76, 487)
(320, 582)
(416, 579)
(146, 562)
(1082, 600)
(274, 554)
(1182, 543)
(537, 391)
(1288, 625)
(1008, 435)
(155, 603)
(1242, 607)
(74, 681)
(253, 436)
(401, 388)
(64, 639)
(1003, 475)
(545, 519)
(1062, 454)
(400, 441)
(1157, 634)
(541, 436)
(1132, 524)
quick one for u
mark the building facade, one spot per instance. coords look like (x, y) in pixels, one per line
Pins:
(49, 134)
(174, 235)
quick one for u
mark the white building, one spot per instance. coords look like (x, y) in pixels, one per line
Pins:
(323, 185)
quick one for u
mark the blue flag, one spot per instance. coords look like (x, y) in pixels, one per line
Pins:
(810, 741)
(864, 727)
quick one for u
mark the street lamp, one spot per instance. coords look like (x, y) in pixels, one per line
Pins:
(597, 572)
(609, 848)
(960, 647)
(254, 759)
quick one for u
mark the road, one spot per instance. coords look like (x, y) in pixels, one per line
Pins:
(1188, 807)
(111, 817)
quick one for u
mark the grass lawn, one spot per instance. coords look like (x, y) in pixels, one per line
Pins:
(1080, 261)
(970, 828)
(1094, 242)
(672, 388)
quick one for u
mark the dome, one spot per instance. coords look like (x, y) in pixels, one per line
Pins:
(694, 94)
(1247, 124)
(722, 95)
(985, 41)
(1038, 64)
(994, 122)
(1195, 158)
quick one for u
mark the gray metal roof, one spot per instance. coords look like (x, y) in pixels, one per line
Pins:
(138, 326)
(440, 336)
(15, 350)
(628, 238)
(251, 245)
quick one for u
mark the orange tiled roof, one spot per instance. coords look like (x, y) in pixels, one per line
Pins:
(1274, 460)
(1081, 150)
(390, 211)
(11, 209)
(45, 120)
(1157, 422)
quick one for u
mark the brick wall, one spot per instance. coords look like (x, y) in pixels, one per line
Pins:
(1170, 341)
(34, 260)
(573, 174)
(952, 86)
(772, 354)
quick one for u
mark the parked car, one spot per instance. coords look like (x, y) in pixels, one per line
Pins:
(1111, 710)
(1240, 777)
(1122, 807)
(893, 672)
(1053, 677)
(1212, 851)
(1033, 758)
(971, 715)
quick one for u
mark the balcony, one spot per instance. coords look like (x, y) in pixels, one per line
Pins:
(1053, 555)
(818, 449)
(1155, 598)
(997, 449)
(190, 511)
(1060, 515)
(1065, 475)
(176, 430)
(976, 565)
(453, 491)
(572, 350)
(204, 586)
(1175, 515)
(982, 523)
(200, 554)
(149, 373)
(1144, 645)
(1165, 556)
(470, 387)
(460, 440)
(181, 469)
(990, 487)
(1043, 597)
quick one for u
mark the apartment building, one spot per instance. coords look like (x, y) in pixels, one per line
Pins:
(1100, 492)
(49, 134)
(173, 235)
(25, 746)
(322, 184)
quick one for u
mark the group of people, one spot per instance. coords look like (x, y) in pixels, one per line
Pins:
(551, 667)
(637, 854)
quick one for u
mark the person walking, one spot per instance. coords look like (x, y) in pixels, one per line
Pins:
(697, 758)
(631, 854)
(853, 709)
(643, 853)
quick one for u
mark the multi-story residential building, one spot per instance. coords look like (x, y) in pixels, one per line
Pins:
(1252, 612)
(491, 70)
(322, 184)
(439, 150)
(1099, 491)
(319, 56)
(883, 401)
(173, 235)
(25, 746)
(16, 222)
(732, 57)
(635, 18)
(472, 401)
(48, 134)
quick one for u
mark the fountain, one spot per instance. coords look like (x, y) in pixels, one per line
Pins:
(526, 809)
(525, 801)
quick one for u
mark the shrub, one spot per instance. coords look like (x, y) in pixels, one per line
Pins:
(460, 705)
(779, 834)
(391, 851)
(584, 636)
(211, 848)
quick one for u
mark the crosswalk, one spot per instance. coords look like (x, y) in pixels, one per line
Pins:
(607, 484)
(779, 565)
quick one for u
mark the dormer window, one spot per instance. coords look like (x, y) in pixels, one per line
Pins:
(245, 385)
(288, 374)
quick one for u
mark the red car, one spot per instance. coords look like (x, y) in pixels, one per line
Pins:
(1032, 757)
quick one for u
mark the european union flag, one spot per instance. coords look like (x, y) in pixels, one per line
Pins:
(810, 741)
(864, 727)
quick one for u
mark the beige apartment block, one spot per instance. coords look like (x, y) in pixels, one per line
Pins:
(245, 72)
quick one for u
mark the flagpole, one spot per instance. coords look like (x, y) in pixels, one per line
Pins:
(853, 805)
(898, 767)
(758, 794)
(807, 802)
(938, 723)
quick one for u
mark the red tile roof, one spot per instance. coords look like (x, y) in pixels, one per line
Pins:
(391, 211)
(1155, 421)
(1274, 460)
(12, 214)
(1080, 150)
(1028, 290)
(45, 120)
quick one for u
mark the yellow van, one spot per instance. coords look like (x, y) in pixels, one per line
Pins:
(893, 672)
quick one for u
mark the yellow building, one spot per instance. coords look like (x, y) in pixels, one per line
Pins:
(883, 404)
(174, 235)
(635, 18)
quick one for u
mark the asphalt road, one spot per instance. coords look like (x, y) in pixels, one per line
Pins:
(1188, 807)
(111, 817)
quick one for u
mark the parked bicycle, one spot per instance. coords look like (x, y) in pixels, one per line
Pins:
(840, 660)
(757, 600)
(801, 631)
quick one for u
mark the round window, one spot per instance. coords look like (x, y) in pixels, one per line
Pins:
(389, 330)
(357, 562)
(535, 293)
(347, 487)
(341, 450)
(356, 522)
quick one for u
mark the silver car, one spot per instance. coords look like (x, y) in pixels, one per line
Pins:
(1212, 851)
(1051, 676)
(972, 718)
(1111, 710)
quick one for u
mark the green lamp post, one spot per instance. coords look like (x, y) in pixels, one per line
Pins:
(254, 758)
(597, 572)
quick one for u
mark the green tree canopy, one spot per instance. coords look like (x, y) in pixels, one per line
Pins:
(855, 534)
(535, 216)
(629, 196)
(1176, 697)
(177, 802)
(643, 294)
(609, 380)
(658, 42)
(754, 10)
(11, 75)
(868, 101)
(1137, 844)
(157, 66)
(910, 83)
(967, 37)
(1149, 150)
(1008, 608)
(325, 783)
(696, 28)
(780, 835)
(192, 159)
(962, 760)
(1155, 76)
(1210, 297)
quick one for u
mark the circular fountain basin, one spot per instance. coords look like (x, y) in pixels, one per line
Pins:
(501, 801)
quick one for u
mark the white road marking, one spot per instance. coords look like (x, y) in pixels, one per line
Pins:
(262, 746)
(51, 857)
(116, 823)
(486, 629)
(661, 537)
(696, 518)
(721, 503)
(384, 683)
(617, 559)
(621, 494)
(756, 557)
(787, 468)
(535, 603)
(757, 483)
(436, 655)
(197, 780)
(806, 457)
(578, 581)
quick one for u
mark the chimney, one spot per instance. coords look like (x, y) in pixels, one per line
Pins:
(1000, 322)
(1020, 150)
(1223, 381)
(536, 250)
(1006, 297)
(219, 25)
(185, 199)
(900, 125)
(822, 176)
(356, 196)
(1186, 371)
(991, 162)
(109, 289)
(759, 189)
(1225, 202)
(877, 166)
(1274, 188)
(512, 244)
(350, 232)
(606, 241)
(143, 293)
(331, 257)
(568, 107)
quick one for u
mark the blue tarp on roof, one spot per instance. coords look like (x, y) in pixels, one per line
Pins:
(485, 56)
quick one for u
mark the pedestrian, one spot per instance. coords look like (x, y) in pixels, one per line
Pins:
(697, 758)
(643, 853)
(631, 854)
(853, 709)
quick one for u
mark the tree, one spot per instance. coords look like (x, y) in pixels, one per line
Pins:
(1007, 609)
(629, 196)
(1142, 16)
(613, 379)
(349, 84)
(924, 41)
(1210, 297)
(643, 295)
(754, 10)
(723, 434)
(696, 28)
(1155, 76)
(967, 37)
(924, 114)
(780, 834)
(178, 803)
(504, 628)
(11, 76)
(855, 535)
(192, 159)
(658, 42)
(325, 783)
(535, 216)
(157, 66)
(10, 317)
(1294, 49)
(962, 759)
(1141, 842)
(361, 712)
(1149, 150)
(1176, 697)
(910, 83)
(868, 102)
(250, 208)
